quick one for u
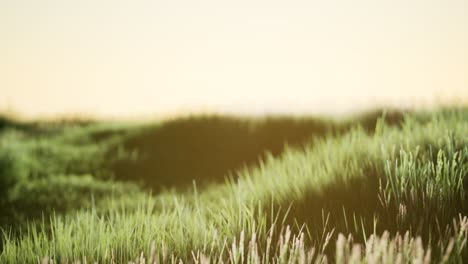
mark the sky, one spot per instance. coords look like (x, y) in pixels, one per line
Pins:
(116, 58)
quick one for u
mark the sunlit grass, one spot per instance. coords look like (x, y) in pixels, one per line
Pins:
(408, 178)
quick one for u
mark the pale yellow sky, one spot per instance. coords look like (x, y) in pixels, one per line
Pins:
(142, 57)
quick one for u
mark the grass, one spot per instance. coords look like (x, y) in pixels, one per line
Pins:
(369, 178)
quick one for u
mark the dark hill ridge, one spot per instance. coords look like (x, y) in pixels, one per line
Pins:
(206, 149)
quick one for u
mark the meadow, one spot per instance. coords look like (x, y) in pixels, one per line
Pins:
(379, 187)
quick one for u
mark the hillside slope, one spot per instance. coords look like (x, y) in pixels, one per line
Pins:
(359, 181)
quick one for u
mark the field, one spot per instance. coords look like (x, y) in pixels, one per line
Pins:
(380, 187)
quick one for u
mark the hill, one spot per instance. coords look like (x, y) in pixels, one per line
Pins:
(84, 190)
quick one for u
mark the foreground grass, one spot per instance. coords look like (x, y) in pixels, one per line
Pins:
(408, 178)
(291, 248)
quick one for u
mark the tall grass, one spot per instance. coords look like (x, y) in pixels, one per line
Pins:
(410, 178)
(292, 248)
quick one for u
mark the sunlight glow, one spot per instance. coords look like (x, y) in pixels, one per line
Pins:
(137, 58)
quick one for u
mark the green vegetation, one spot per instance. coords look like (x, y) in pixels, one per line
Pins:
(372, 188)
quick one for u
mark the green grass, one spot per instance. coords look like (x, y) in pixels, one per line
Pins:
(368, 178)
